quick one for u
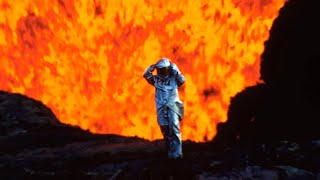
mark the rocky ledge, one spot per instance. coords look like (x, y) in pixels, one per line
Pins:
(34, 144)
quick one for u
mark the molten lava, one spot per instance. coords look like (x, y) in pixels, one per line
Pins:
(85, 59)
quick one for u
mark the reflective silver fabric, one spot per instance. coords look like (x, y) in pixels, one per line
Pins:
(166, 93)
(172, 135)
(163, 62)
(168, 112)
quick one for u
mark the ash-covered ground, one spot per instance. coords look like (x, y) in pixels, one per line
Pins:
(271, 131)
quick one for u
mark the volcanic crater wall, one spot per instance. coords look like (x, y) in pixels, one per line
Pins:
(286, 105)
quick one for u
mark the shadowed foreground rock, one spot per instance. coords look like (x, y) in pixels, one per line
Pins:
(285, 107)
(33, 144)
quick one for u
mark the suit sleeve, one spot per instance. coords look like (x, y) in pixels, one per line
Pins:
(180, 79)
(148, 75)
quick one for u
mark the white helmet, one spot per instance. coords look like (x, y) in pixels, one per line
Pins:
(163, 62)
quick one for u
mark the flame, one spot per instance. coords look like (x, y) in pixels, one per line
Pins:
(85, 59)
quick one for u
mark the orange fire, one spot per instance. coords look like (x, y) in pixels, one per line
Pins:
(85, 59)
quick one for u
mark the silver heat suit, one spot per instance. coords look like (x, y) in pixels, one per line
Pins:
(167, 104)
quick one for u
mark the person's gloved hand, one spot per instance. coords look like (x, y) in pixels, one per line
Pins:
(151, 68)
(174, 69)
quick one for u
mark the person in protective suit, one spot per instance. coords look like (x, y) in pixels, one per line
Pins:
(169, 107)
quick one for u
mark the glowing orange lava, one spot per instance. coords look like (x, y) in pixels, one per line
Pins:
(85, 59)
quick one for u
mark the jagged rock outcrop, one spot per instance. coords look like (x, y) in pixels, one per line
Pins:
(286, 106)
(19, 114)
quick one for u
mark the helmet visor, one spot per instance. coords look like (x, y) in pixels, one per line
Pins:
(163, 71)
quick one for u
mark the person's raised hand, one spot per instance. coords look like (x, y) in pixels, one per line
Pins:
(152, 67)
(174, 68)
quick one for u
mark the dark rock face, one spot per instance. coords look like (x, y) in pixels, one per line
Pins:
(275, 123)
(286, 106)
(35, 145)
(19, 114)
(289, 67)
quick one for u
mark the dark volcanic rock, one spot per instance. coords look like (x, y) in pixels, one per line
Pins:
(276, 123)
(41, 147)
(19, 114)
(289, 67)
(286, 106)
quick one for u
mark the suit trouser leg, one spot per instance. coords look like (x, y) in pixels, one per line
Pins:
(172, 135)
